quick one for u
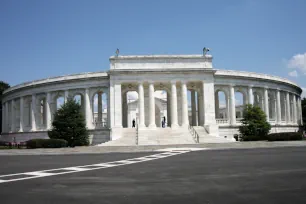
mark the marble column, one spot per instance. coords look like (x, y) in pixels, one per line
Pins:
(266, 102)
(294, 110)
(151, 106)
(185, 119)
(278, 108)
(21, 114)
(217, 104)
(200, 107)
(193, 108)
(66, 95)
(250, 94)
(88, 111)
(33, 112)
(141, 105)
(6, 116)
(108, 108)
(13, 117)
(168, 119)
(48, 111)
(124, 111)
(3, 117)
(174, 121)
(288, 107)
(99, 107)
(232, 105)
(300, 112)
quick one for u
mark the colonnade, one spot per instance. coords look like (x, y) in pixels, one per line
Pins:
(177, 103)
(281, 107)
(173, 105)
(40, 108)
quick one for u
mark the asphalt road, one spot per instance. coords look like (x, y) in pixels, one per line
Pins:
(276, 175)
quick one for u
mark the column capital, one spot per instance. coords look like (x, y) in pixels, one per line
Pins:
(173, 81)
(150, 82)
(140, 82)
(250, 85)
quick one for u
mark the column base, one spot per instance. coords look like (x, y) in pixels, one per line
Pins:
(152, 126)
(174, 126)
(141, 126)
(20, 130)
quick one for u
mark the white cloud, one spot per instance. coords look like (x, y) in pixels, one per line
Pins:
(298, 61)
(293, 73)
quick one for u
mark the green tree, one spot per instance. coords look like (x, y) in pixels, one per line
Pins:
(254, 124)
(69, 124)
(3, 86)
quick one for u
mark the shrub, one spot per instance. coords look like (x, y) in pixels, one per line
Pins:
(69, 124)
(46, 143)
(3, 143)
(254, 124)
(285, 136)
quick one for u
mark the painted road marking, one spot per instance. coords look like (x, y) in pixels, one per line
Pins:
(37, 173)
(189, 149)
(75, 169)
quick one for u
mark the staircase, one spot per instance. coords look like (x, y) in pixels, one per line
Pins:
(128, 138)
(204, 137)
(164, 136)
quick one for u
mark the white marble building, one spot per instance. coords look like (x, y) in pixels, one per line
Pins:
(29, 107)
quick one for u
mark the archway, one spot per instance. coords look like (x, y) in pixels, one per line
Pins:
(272, 106)
(162, 105)
(221, 105)
(283, 106)
(99, 110)
(59, 102)
(258, 99)
(239, 104)
(193, 107)
(129, 108)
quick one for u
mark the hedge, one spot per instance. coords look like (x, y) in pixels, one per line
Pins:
(285, 136)
(46, 143)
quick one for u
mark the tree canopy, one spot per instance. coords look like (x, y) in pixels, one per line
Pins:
(254, 124)
(69, 124)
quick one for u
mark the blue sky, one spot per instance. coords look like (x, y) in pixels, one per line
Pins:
(40, 38)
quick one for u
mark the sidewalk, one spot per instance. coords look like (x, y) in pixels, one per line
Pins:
(109, 149)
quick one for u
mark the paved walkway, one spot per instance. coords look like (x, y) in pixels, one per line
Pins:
(108, 149)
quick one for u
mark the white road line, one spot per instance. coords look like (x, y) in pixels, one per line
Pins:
(38, 173)
(75, 169)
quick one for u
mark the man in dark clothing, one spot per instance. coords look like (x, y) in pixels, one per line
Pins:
(133, 125)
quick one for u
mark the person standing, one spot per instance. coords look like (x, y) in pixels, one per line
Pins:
(133, 123)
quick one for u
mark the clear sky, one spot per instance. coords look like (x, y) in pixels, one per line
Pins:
(40, 38)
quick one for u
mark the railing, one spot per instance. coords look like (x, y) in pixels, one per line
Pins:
(136, 138)
(193, 133)
(221, 121)
(100, 125)
(238, 120)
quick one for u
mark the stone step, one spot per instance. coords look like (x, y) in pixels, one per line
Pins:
(204, 137)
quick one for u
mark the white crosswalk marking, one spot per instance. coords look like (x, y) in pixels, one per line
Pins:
(67, 170)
